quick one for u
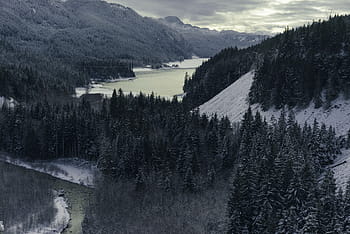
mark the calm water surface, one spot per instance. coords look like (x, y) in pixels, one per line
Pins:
(166, 82)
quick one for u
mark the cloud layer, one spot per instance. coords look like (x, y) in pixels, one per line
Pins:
(268, 16)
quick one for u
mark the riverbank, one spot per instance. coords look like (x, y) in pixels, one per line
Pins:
(74, 170)
(76, 196)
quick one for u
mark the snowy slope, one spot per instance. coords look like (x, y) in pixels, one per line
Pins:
(74, 170)
(341, 169)
(232, 102)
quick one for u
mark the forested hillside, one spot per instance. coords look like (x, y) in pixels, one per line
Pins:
(76, 30)
(129, 137)
(147, 145)
(293, 68)
(276, 185)
(65, 43)
(165, 167)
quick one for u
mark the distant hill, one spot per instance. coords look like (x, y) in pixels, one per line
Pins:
(206, 42)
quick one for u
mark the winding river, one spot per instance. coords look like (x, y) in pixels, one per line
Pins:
(77, 196)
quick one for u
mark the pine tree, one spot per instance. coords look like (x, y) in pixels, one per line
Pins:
(327, 210)
(113, 106)
(189, 184)
(347, 208)
(234, 208)
(140, 180)
(311, 222)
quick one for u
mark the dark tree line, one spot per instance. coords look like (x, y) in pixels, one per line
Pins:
(130, 137)
(310, 63)
(28, 76)
(26, 201)
(149, 142)
(293, 68)
(276, 187)
(280, 183)
(25, 83)
(106, 70)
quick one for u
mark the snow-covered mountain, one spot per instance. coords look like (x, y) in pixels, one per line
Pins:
(233, 103)
(206, 42)
(79, 29)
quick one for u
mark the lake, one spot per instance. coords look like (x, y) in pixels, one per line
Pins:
(165, 82)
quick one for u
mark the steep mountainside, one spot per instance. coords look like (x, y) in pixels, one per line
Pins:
(233, 103)
(293, 68)
(304, 70)
(80, 29)
(206, 42)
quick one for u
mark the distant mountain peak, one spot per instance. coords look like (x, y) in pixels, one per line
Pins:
(173, 19)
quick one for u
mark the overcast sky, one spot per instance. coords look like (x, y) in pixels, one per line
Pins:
(241, 15)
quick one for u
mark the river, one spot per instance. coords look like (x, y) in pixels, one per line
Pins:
(164, 82)
(77, 196)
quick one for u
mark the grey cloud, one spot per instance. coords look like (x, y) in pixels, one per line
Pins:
(268, 16)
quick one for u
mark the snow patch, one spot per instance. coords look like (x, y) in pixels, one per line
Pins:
(10, 102)
(74, 170)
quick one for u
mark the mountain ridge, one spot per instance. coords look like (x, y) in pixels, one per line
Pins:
(207, 42)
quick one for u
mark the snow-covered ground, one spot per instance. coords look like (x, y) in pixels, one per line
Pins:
(73, 170)
(188, 63)
(10, 102)
(341, 169)
(233, 103)
(60, 222)
(58, 225)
